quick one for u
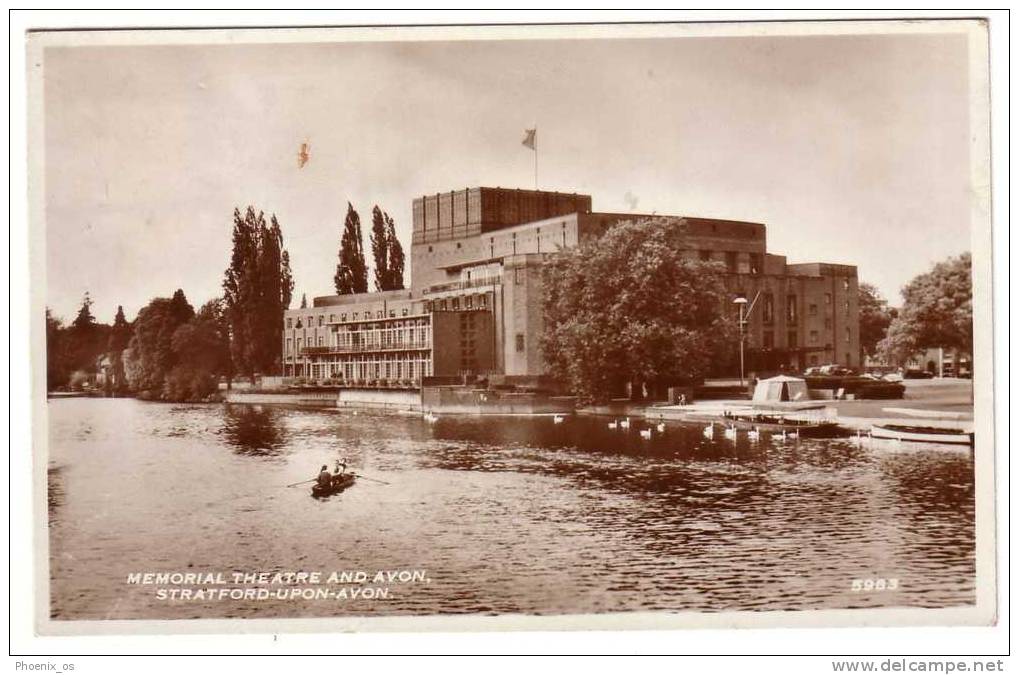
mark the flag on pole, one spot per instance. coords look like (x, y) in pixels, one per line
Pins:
(531, 138)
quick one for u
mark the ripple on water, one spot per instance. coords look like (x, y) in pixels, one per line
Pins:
(506, 514)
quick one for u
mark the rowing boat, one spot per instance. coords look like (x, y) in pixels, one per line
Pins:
(902, 432)
(339, 484)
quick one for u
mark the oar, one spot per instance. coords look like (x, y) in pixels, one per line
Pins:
(302, 482)
(367, 478)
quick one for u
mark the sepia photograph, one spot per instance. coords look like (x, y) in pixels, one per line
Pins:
(512, 327)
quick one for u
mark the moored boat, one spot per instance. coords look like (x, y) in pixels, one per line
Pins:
(339, 484)
(922, 434)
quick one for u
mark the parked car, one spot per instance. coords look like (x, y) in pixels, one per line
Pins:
(917, 374)
(892, 377)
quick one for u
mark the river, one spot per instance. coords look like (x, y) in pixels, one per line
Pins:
(497, 515)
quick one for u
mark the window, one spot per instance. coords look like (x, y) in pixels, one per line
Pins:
(458, 244)
(392, 312)
(847, 307)
(518, 276)
(311, 321)
(355, 316)
(827, 298)
(520, 342)
(849, 334)
(332, 318)
(290, 345)
(469, 302)
(790, 309)
(769, 308)
(290, 323)
(790, 339)
(730, 260)
(769, 339)
(812, 310)
(343, 317)
(482, 301)
(755, 263)
(321, 319)
(321, 341)
(827, 323)
(404, 312)
(299, 343)
(429, 249)
(813, 337)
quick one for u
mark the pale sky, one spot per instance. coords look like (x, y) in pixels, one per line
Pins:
(850, 149)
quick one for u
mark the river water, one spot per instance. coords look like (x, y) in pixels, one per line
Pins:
(496, 515)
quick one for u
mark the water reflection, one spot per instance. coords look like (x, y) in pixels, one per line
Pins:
(254, 429)
(509, 514)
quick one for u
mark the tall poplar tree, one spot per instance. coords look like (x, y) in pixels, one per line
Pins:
(351, 271)
(395, 255)
(257, 287)
(380, 250)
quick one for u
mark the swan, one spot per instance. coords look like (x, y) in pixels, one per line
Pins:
(661, 427)
(709, 431)
(558, 419)
(613, 424)
(645, 434)
(754, 434)
(625, 423)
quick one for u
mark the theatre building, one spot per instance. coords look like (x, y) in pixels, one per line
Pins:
(474, 307)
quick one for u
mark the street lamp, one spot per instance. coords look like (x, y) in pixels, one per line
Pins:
(741, 301)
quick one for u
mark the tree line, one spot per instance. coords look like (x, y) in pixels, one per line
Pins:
(172, 352)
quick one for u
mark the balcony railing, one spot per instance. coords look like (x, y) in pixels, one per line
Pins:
(464, 284)
(365, 347)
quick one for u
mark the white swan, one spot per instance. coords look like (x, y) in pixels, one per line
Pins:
(661, 427)
(754, 434)
(613, 424)
(645, 434)
(625, 423)
(558, 419)
(709, 431)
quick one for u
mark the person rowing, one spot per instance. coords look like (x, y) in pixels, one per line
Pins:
(325, 479)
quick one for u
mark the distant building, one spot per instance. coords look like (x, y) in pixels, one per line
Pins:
(475, 304)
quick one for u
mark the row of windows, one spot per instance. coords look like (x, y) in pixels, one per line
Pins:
(457, 303)
(768, 338)
(355, 316)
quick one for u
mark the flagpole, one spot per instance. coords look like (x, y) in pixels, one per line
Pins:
(536, 157)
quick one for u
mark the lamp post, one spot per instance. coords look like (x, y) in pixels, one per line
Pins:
(741, 301)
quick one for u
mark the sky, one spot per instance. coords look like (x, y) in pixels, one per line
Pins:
(851, 149)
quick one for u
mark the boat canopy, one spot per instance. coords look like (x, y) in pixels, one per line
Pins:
(781, 388)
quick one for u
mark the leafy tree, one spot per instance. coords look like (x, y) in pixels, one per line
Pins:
(937, 311)
(396, 258)
(120, 337)
(351, 272)
(84, 341)
(151, 356)
(632, 307)
(58, 368)
(257, 287)
(380, 250)
(875, 315)
(202, 351)
(84, 319)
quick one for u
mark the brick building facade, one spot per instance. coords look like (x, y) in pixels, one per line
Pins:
(474, 306)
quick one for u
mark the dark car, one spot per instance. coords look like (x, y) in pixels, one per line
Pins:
(916, 374)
